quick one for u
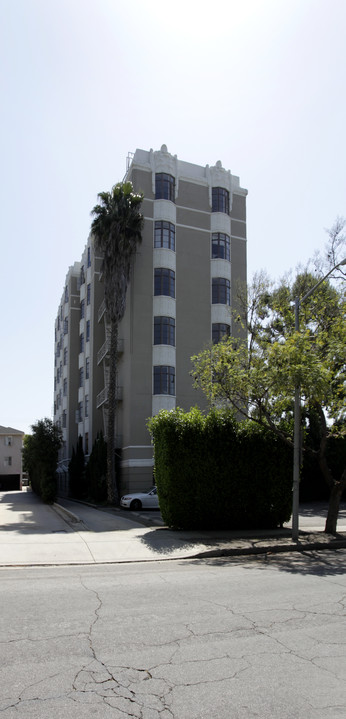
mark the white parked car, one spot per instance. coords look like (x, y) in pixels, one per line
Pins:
(139, 500)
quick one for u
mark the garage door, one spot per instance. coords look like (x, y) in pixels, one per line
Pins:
(9, 482)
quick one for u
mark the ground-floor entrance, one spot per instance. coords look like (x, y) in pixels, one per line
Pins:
(9, 482)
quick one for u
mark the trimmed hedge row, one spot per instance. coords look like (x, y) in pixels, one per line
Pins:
(213, 472)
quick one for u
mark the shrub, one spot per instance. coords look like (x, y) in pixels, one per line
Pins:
(213, 472)
(96, 471)
(76, 470)
(40, 458)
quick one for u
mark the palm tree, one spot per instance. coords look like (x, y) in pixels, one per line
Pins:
(117, 229)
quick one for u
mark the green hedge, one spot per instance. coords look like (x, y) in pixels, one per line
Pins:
(213, 472)
(40, 458)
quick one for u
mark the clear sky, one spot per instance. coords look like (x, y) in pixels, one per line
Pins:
(257, 84)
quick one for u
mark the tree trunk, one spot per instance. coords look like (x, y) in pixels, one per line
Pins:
(334, 504)
(336, 488)
(112, 491)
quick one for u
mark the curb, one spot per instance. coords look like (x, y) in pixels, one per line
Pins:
(147, 522)
(270, 549)
(63, 511)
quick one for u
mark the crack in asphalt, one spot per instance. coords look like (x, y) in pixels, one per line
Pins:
(148, 692)
(113, 688)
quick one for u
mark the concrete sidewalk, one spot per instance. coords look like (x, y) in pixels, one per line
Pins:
(34, 534)
(226, 543)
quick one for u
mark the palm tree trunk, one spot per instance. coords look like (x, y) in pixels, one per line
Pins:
(112, 491)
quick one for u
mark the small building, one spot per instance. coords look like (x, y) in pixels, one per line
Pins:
(11, 445)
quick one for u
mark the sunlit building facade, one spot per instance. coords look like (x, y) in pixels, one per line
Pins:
(180, 298)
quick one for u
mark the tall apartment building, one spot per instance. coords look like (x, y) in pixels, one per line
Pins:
(180, 297)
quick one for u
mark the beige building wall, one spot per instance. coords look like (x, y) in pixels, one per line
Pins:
(91, 337)
(11, 445)
(66, 364)
(192, 308)
(190, 212)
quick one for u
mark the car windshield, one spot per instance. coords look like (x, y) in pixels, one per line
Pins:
(152, 489)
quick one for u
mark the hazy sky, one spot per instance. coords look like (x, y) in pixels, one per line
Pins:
(257, 84)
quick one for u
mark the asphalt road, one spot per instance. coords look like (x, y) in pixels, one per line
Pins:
(211, 639)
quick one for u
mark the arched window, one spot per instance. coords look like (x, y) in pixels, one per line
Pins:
(220, 200)
(221, 291)
(164, 282)
(164, 331)
(164, 186)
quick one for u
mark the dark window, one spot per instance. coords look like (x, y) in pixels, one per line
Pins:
(64, 418)
(164, 283)
(88, 330)
(88, 294)
(220, 200)
(81, 342)
(80, 412)
(65, 326)
(89, 256)
(164, 331)
(220, 246)
(65, 355)
(82, 276)
(65, 387)
(81, 376)
(164, 380)
(66, 294)
(86, 406)
(220, 330)
(164, 186)
(82, 309)
(221, 291)
(87, 367)
(164, 235)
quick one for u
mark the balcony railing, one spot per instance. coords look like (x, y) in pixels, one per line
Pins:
(102, 396)
(101, 311)
(104, 350)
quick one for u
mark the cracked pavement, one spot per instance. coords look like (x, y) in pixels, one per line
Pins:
(214, 638)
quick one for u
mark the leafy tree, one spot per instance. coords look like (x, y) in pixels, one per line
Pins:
(116, 228)
(258, 378)
(40, 458)
(334, 251)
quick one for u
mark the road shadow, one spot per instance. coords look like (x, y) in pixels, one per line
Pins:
(32, 515)
(165, 541)
(319, 509)
(319, 563)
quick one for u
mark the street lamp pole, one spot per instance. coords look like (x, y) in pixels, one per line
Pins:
(297, 412)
